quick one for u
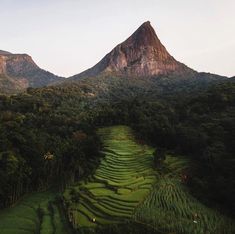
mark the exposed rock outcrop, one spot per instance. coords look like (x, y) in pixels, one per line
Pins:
(141, 55)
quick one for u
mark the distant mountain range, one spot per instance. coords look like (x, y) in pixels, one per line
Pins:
(141, 56)
(19, 71)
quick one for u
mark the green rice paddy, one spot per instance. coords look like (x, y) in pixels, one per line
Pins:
(170, 208)
(35, 213)
(126, 187)
(122, 181)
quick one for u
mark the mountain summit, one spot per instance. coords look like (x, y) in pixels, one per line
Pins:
(141, 55)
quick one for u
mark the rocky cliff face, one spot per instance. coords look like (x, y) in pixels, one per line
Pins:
(16, 64)
(141, 55)
(19, 70)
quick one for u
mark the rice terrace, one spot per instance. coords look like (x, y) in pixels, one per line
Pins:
(125, 187)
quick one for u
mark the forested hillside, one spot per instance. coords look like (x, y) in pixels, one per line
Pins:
(44, 142)
(48, 136)
(200, 126)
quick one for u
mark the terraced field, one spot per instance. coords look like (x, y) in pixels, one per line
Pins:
(170, 208)
(34, 214)
(123, 180)
(126, 187)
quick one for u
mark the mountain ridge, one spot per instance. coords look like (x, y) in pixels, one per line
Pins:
(20, 70)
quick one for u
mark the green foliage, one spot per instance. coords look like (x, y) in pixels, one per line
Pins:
(180, 115)
(41, 145)
(200, 125)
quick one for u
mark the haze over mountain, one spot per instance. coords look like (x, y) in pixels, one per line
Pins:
(141, 55)
(19, 71)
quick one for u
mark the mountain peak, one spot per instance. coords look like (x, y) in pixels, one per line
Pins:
(146, 26)
(147, 23)
(140, 55)
(144, 35)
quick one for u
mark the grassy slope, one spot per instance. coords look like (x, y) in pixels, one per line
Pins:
(35, 213)
(123, 179)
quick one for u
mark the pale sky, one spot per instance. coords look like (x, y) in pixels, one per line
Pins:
(69, 36)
